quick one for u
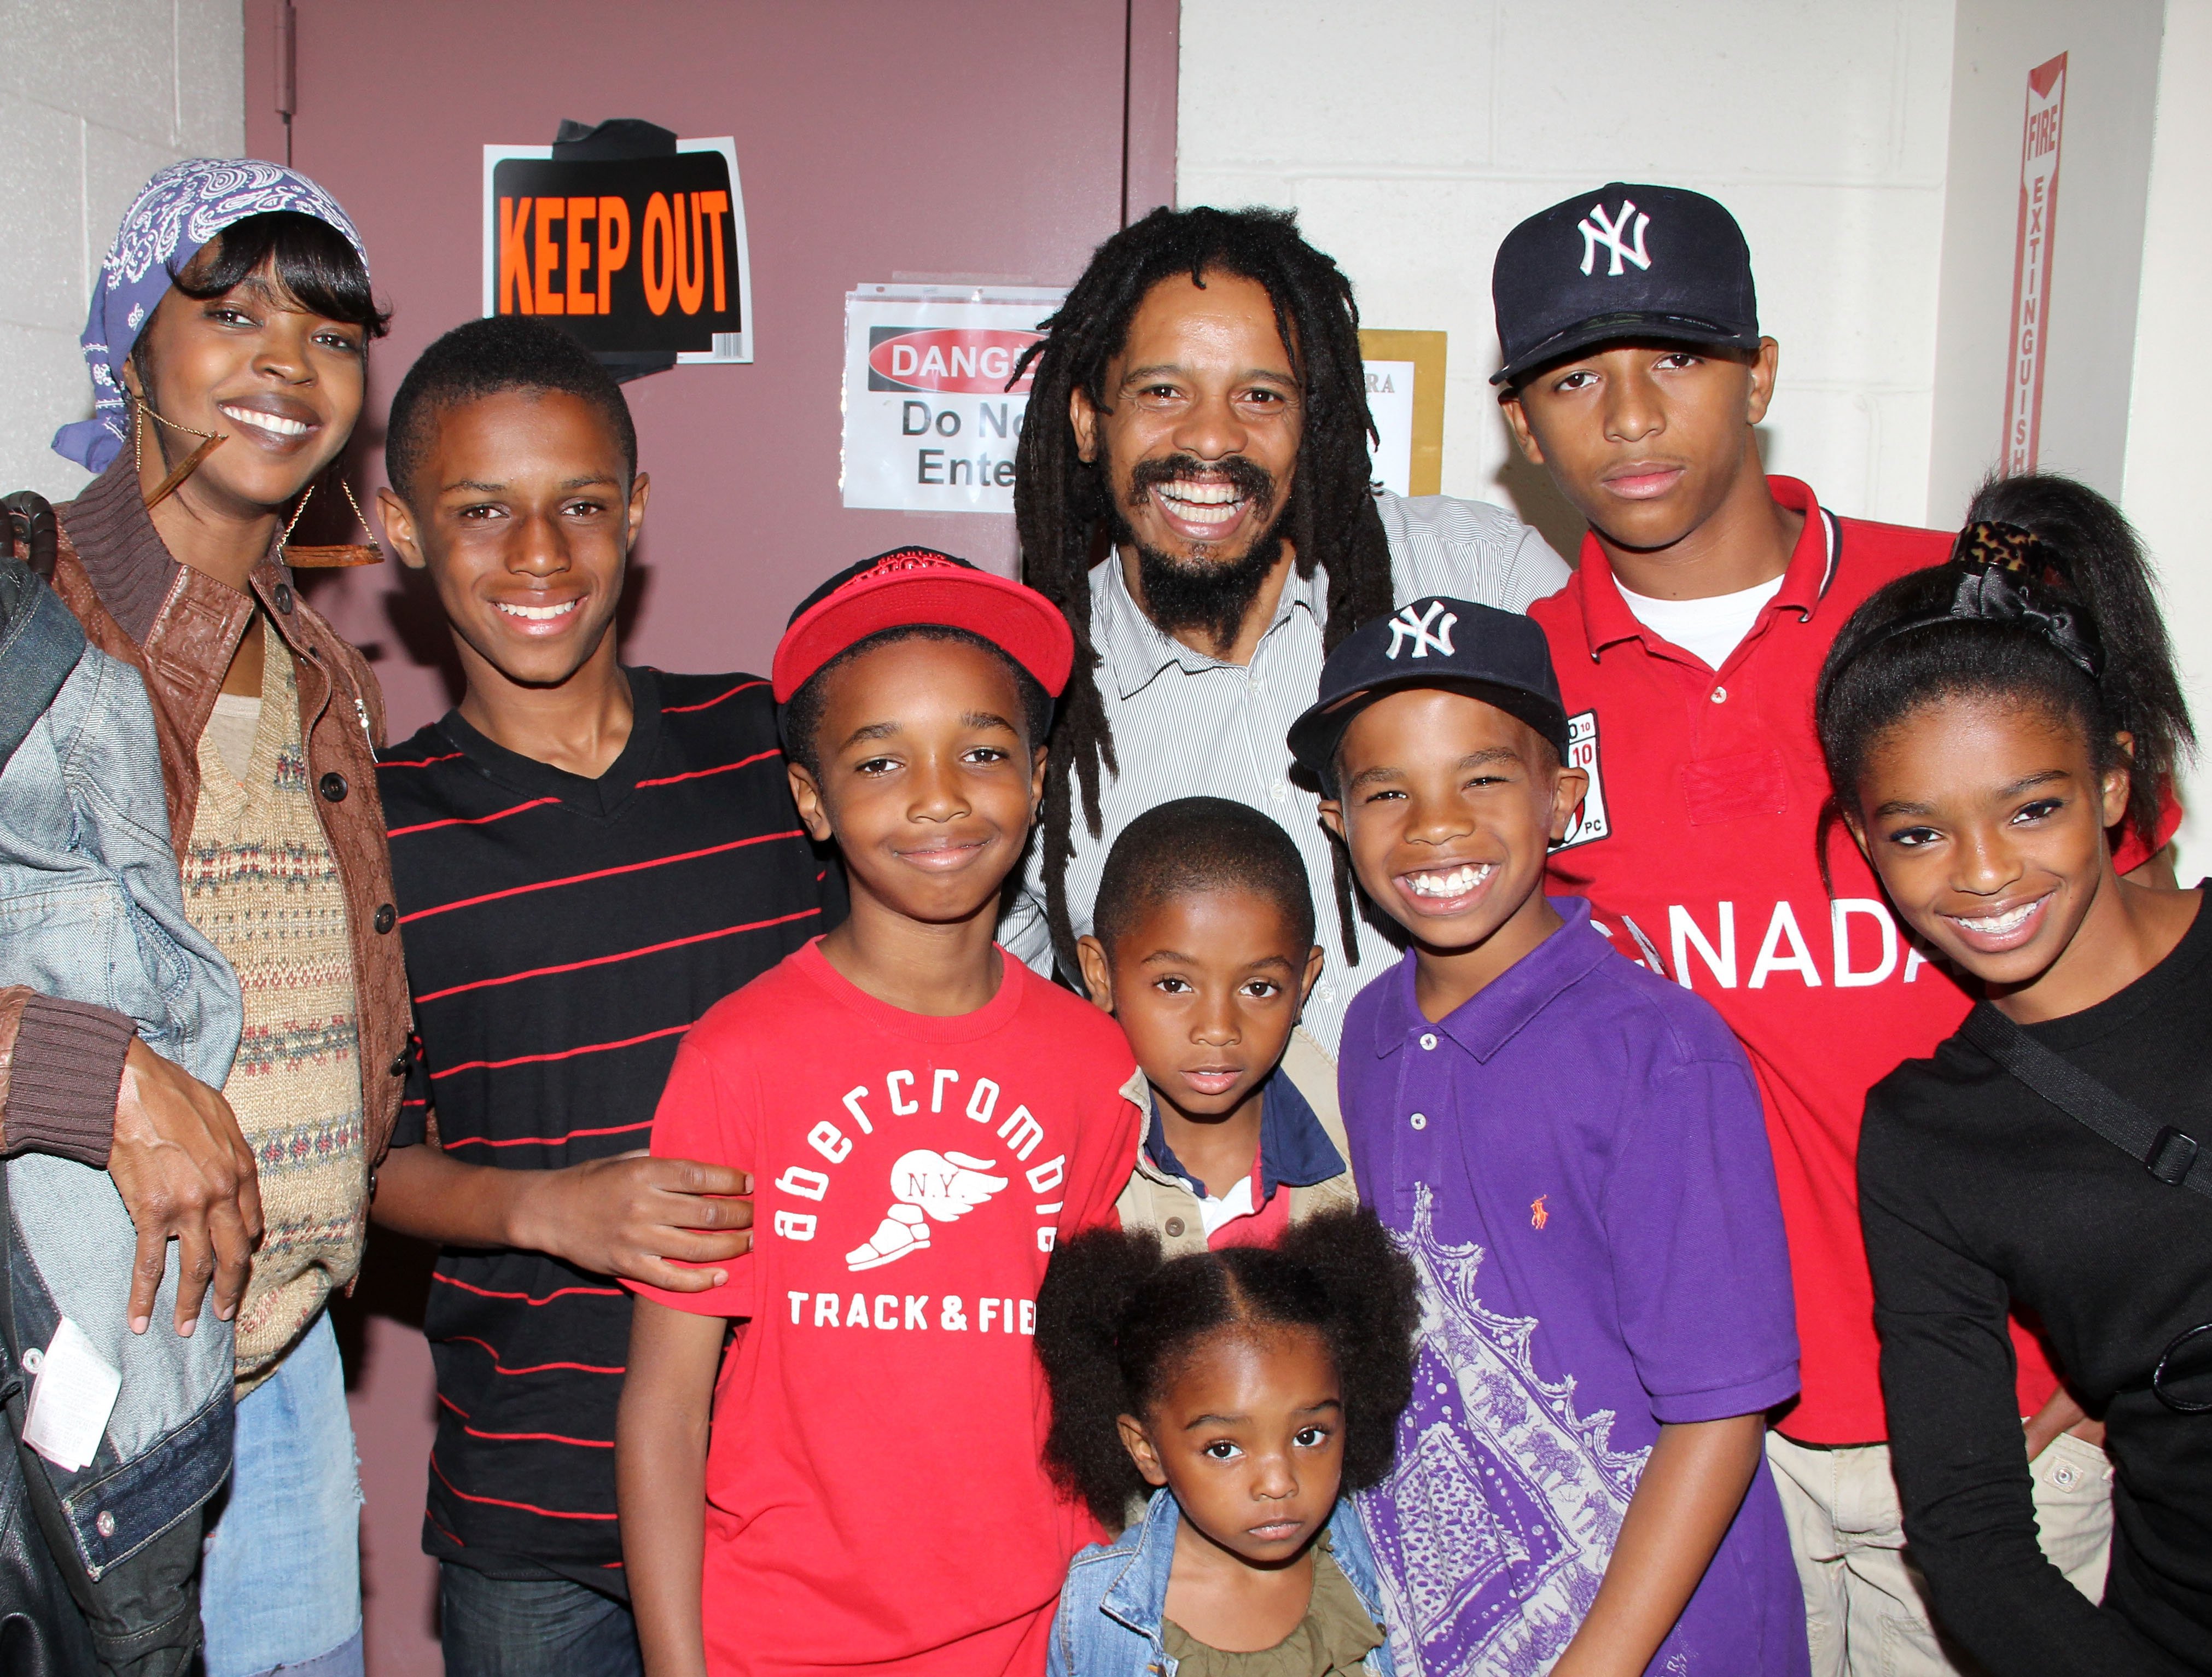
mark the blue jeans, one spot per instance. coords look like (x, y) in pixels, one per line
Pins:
(280, 1583)
(532, 1627)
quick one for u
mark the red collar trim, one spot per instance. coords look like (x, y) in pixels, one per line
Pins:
(1606, 619)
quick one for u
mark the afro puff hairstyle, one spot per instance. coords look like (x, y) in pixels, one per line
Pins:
(1116, 1320)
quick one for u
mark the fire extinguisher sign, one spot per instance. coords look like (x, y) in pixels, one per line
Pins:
(641, 254)
(2042, 128)
(932, 409)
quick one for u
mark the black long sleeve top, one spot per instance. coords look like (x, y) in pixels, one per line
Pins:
(1974, 1190)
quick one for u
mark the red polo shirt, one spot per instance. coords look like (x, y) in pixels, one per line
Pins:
(1696, 847)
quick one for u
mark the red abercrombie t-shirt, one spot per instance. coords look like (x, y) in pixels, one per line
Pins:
(1696, 847)
(875, 1495)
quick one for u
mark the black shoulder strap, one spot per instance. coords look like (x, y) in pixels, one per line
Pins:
(2171, 1155)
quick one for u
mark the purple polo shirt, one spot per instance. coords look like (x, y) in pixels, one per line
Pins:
(1577, 1164)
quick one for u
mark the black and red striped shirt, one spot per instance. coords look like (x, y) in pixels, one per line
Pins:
(562, 934)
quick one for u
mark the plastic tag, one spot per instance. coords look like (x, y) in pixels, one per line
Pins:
(72, 1398)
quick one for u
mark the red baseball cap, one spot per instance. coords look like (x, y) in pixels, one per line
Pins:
(911, 586)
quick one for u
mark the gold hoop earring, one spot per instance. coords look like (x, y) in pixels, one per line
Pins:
(333, 556)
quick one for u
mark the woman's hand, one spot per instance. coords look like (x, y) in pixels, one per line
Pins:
(185, 1173)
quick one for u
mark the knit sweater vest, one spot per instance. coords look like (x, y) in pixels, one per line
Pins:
(260, 882)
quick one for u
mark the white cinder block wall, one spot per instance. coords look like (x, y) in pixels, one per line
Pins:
(1411, 134)
(2164, 467)
(94, 96)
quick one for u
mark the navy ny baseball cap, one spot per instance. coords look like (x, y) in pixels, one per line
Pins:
(1623, 262)
(1500, 657)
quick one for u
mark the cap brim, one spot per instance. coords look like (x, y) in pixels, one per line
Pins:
(1021, 622)
(1619, 328)
(1314, 737)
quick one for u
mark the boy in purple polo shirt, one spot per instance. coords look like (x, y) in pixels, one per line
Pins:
(1572, 1149)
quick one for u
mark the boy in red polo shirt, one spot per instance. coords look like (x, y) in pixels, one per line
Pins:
(857, 1483)
(1688, 645)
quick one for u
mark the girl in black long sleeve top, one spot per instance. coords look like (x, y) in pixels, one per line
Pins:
(1985, 723)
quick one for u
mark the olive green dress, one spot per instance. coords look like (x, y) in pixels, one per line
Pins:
(1331, 1640)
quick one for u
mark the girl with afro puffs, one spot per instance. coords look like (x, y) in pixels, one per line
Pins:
(1241, 1390)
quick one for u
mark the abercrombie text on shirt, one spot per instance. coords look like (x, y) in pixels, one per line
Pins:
(876, 1498)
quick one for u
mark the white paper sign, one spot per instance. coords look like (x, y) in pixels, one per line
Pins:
(1390, 400)
(73, 1392)
(930, 425)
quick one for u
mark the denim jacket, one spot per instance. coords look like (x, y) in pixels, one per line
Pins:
(1114, 1605)
(92, 911)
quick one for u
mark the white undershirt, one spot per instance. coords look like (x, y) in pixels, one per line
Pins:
(1236, 1203)
(237, 719)
(1712, 628)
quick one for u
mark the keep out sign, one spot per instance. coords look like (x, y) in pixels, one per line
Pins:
(642, 254)
(932, 410)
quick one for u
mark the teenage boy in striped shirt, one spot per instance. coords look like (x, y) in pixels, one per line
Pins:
(1688, 645)
(587, 858)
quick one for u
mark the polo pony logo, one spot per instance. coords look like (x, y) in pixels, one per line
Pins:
(1431, 630)
(1609, 234)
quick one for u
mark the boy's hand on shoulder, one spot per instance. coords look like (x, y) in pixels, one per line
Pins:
(631, 1215)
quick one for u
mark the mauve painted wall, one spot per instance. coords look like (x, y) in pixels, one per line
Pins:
(875, 138)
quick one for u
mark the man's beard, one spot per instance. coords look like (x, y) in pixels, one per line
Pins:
(1209, 596)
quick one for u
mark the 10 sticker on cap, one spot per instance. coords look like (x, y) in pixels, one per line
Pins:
(73, 1392)
(1589, 822)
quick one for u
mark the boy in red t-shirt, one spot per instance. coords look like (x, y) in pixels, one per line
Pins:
(1688, 645)
(923, 1117)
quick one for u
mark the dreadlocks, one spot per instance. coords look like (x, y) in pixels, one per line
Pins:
(1063, 507)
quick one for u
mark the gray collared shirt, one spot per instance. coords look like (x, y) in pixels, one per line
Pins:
(1187, 726)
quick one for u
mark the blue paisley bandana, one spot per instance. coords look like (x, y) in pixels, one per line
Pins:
(180, 210)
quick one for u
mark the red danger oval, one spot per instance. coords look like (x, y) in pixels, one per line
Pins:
(967, 361)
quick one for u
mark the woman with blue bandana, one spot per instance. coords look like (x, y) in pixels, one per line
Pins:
(228, 341)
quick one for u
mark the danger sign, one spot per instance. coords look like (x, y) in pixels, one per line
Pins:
(964, 361)
(933, 410)
(633, 255)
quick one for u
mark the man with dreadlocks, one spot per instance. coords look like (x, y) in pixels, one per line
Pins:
(1192, 489)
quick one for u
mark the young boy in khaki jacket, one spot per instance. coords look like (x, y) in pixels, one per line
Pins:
(1204, 952)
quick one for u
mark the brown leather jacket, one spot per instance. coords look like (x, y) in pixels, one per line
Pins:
(179, 628)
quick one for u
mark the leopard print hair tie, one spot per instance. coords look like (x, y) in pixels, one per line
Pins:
(2006, 547)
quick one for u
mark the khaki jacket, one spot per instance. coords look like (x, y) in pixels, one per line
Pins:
(1155, 1200)
(188, 626)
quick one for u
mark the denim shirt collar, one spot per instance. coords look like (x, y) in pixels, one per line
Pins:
(1138, 1594)
(1293, 1147)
